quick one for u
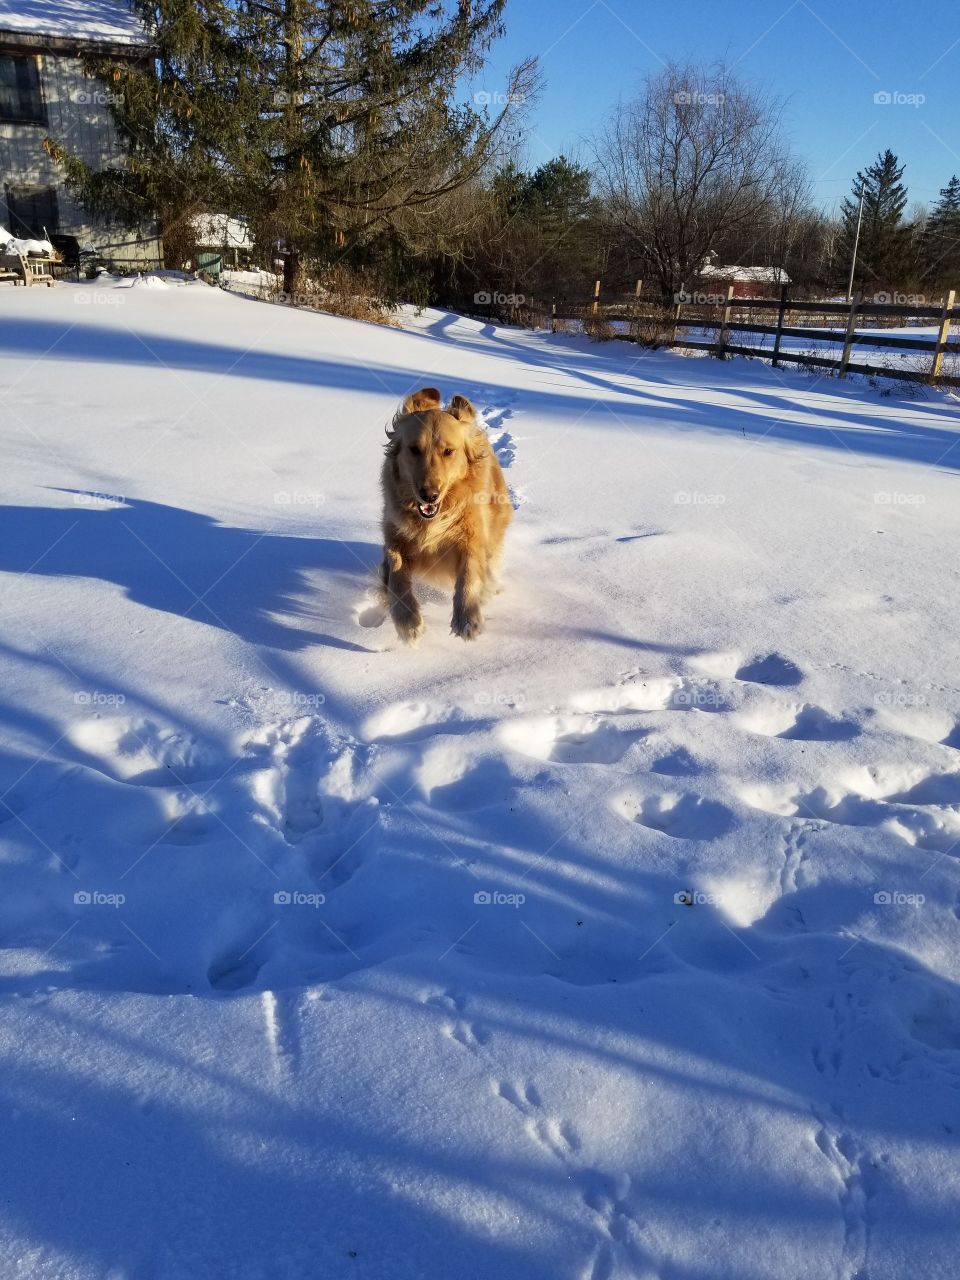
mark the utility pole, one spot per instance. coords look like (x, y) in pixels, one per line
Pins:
(856, 242)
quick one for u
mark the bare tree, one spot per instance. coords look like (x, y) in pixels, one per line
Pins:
(697, 156)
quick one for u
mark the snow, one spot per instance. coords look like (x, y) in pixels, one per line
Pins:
(756, 275)
(222, 231)
(252, 281)
(110, 21)
(10, 244)
(619, 943)
(150, 280)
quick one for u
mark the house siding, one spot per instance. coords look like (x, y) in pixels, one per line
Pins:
(78, 116)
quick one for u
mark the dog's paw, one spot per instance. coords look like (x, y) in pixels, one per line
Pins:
(468, 625)
(410, 627)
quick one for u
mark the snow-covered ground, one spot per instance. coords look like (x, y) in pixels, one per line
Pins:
(620, 943)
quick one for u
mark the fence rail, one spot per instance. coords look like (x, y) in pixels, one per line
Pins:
(670, 322)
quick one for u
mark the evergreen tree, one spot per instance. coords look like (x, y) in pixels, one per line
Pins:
(559, 209)
(320, 121)
(510, 188)
(558, 195)
(941, 240)
(532, 239)
(884, 239)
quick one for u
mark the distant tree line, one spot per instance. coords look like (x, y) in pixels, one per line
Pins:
(339, 132)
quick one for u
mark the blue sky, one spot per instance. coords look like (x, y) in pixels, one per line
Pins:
(827, 60)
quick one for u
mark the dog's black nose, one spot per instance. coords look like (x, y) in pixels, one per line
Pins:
(429, 495)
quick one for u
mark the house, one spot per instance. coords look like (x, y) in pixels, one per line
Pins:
(748, 282)
(222, 242)
(45, 93)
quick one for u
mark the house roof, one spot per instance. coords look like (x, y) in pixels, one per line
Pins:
(97, 21)
(755, 275)
(220, 231)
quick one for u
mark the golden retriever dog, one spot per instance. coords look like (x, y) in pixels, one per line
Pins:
(445, 511)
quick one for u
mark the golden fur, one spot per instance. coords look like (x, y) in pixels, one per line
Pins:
(445, 511)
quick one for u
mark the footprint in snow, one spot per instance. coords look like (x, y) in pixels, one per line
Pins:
(144, 753)
(505, 447)
(487, 784)
(798, 723)
(678, 763)
(570, 739)
(682, 816)
(238, 967)
(928, 826)
(503, 444)
(463, 1032)
(771, 668)
(309, 785)
(556, 1136)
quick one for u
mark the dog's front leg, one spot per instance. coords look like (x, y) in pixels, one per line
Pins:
(401, 601)
(467, 597)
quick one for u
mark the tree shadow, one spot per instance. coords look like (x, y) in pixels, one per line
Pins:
(797, 1018)
(600, 978)
(266, 587)
(638, 391)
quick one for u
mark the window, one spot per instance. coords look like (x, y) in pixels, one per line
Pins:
(20, 96)
(34, 213)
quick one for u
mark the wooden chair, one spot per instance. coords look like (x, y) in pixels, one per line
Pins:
(39, 270)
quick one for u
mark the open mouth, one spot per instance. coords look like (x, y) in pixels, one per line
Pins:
(428, 509)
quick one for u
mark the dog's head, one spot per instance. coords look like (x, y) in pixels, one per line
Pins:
(433, 449)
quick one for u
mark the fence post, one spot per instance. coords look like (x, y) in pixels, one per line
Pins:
(780, 314)
(553, 316)
(848, 336)
(943, 335)
(596, 297)
(635, 321)
(678, 305)
(724, 321)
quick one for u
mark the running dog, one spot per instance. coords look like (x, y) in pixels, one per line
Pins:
(445, 511)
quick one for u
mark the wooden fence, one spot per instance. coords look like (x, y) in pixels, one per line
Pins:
(669, 322)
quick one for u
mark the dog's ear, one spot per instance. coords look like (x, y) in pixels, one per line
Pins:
(425, 398)
(461, 409)
(392, 447)
(415, 402)
(476, 446)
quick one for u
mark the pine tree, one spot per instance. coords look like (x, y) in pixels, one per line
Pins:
(941, 240)
(560, 210)
(883, 248)
(559, 195)
(318, 120)
(510, 188)
(532, 238)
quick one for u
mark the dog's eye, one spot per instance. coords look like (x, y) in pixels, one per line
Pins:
(415, 450)
(447, 453)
